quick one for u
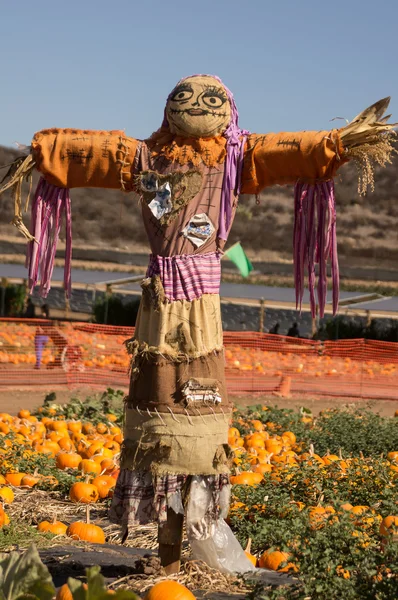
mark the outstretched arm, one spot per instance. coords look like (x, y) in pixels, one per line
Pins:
(314, 156)
(283, 158)
(66, 158)
(73, 158)
(310, 159)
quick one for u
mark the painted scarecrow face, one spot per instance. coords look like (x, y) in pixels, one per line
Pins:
(198, 107)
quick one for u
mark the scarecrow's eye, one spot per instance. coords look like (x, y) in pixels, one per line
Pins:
(213, 100)
(182, 94)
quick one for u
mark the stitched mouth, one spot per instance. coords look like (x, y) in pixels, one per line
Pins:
(196, 112)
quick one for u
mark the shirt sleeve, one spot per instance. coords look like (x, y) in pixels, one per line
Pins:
(284, 158)
(73, 158)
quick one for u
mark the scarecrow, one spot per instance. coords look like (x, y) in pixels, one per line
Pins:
(189, 175)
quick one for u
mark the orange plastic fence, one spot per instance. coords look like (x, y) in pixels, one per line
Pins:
(84, 354)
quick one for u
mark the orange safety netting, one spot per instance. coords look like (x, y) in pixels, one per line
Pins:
(85, 354)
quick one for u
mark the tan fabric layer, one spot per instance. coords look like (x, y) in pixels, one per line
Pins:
(167, 444)
(189, 328)
(157, 383)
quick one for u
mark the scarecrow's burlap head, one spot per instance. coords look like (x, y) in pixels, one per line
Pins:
(198, 106)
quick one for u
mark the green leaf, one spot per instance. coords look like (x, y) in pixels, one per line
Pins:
(24, 576)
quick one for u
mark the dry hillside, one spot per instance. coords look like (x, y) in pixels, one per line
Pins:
(367, 227)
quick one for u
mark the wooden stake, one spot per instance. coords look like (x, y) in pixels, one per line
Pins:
(262, 314)
(170, 542)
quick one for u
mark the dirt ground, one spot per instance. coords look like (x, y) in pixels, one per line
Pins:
(12, 401)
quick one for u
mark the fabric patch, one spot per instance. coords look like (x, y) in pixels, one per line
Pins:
(140, 497)
(191, 441)
(161, 204)
(167, 194)
(156, 384)
(178, 329)
(198, 230)
(152, 292)
(201, 391)
(187, 276)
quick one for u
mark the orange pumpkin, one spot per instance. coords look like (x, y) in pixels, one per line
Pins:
(389, 526)
(104, 483)
(167, 590)
(83, 492)
(56, 527)
(246, 478)
(65, 443)
(4, 520)
(90, 466)
(64, 593)
(68, 460)
(272, 560)
(251, 557)
(86, 531)
(14, 478)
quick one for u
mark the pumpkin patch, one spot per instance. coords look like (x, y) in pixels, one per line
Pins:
(316, 496)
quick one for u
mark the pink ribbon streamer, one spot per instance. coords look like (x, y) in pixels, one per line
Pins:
(49, 204)
(314, 242)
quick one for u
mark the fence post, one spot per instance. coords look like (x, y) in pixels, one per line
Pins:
(108, 294)
(4, 283)
(262, 313)
(315, 322)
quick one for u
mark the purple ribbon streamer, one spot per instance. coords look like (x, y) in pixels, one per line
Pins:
(314, 242)
(49, 204)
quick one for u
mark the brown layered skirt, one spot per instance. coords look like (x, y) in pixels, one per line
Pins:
(177, 413)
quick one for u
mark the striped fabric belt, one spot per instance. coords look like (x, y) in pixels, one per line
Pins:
(189, 276)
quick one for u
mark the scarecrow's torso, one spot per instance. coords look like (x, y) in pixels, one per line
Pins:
(195, 196)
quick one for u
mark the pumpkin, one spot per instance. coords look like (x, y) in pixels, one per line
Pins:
(56, 527)
(107, 465)
(167, 590)
(14, 478)
(59, 426)
(68, 460)
(65, 443)
(102, 428)
(262, 468)
(4, 520)
(74, 426)
(111, 417)
(7, 495)
(318, 516)
(272, 559)
(389, 526)
(246, 478)
(86, 531)
(64, 593)
(251, 557)
(83, 492)
(90, 466)
(104, 483)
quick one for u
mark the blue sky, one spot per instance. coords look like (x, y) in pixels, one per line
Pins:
(110, 64)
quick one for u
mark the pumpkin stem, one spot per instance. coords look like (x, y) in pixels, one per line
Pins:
(249, 545)
(340, 454)
(87, 514)
(312, 451)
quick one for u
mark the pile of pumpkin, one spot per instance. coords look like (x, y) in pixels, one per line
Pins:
(99, 349)
(89, 453)
(305, 363)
